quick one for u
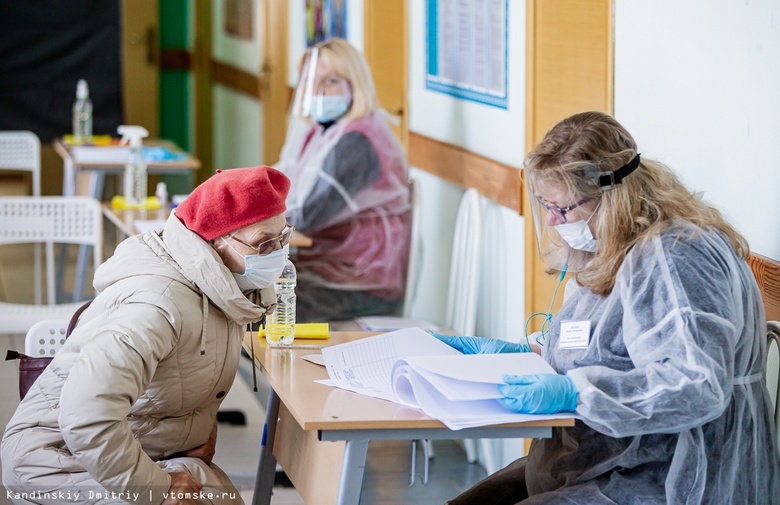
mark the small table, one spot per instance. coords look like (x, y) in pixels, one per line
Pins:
(320, 435)
(74, 171)
(97, 171)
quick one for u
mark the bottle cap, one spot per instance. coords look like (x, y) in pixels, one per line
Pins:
(133, 134)
(82, 90)
(161, 187)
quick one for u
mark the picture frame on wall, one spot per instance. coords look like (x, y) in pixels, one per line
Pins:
(325, 19)
(239, 19)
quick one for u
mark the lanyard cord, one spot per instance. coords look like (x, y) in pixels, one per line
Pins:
(547, 315)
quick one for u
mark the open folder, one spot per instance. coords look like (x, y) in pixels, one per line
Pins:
(413, 368)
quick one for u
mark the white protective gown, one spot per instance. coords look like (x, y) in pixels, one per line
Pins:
(672, 395)
(349, 194)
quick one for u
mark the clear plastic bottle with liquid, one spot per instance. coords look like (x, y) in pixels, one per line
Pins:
(82, 114)
(280, 326)
(136, 178)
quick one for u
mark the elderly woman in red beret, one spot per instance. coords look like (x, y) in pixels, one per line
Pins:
(127, 409)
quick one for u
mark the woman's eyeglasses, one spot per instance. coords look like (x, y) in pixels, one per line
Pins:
(559, 212)
(270, 245)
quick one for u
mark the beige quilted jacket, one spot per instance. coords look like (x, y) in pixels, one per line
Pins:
(141, 377)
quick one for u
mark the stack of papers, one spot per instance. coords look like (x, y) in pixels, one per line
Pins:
(117, 155)
(111, 155)
(415, 369)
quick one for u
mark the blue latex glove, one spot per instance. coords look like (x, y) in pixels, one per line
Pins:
(481, 345)
(547, 393)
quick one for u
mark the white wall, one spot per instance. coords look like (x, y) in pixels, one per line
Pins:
(697, 83)
(497, 134)
(237, 128)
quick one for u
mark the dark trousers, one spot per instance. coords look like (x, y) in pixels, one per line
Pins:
(505, 487)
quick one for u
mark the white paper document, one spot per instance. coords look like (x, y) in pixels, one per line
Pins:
(112, 155)
(415, 369)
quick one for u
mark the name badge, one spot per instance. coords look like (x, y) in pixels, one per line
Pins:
(574, 335)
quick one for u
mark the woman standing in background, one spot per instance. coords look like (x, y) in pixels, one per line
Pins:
(349, 190)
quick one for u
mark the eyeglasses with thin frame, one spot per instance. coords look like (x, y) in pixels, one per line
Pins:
(269, 246)
(560, 213)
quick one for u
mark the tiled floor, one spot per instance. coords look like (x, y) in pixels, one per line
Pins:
(387, 476)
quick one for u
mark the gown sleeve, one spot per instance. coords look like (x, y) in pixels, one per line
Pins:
(352, 165)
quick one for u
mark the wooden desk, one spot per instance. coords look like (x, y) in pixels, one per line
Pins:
(320, 434)
(125, 220)
(96, 172)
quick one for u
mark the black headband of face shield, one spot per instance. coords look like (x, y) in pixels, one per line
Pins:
(609, 179)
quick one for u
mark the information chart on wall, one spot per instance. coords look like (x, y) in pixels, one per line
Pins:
(467, 49)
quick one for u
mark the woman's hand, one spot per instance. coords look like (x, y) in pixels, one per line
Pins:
(546, 393)
(181, 484)
(203, 452)
(480, 345)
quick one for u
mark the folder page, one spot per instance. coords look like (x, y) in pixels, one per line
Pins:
(364, 366)
(414, 368)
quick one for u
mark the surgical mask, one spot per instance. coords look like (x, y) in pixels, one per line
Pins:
(328, 108)
(578, 235)
(260, 271)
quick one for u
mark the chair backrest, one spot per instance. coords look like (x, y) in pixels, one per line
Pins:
(52, 220)
(45, 338)
(415, 250)
(21, 151)
(463, 290)
(773, 369)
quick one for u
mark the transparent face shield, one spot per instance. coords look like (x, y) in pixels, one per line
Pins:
(563, 196)
(321, 94)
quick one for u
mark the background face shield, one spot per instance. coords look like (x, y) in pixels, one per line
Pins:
(321, 94)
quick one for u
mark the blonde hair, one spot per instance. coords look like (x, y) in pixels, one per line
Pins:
(343, 59)
(647, 202)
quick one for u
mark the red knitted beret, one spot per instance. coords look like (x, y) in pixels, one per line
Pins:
(233, 199)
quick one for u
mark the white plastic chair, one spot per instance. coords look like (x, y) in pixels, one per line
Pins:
(45, 338)
(47, 220)
(20, 151)
(415, 251)
(463, 290)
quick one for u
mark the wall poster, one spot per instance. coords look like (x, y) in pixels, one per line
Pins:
(325, 19)
(466, 49)
(239, 19)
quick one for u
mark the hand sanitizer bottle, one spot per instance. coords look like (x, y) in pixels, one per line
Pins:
(135, 180)
(82, 114)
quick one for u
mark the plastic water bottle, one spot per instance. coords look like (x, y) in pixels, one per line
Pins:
(82, 114)
(280, 327)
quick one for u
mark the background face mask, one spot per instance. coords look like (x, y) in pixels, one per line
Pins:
(260, 271)
(329, 107)
(577, 235)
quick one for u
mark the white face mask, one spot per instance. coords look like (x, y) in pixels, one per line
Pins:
(578, 234)
(330, 107)
(260, 271)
